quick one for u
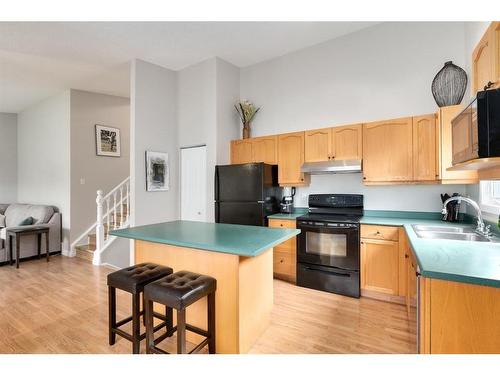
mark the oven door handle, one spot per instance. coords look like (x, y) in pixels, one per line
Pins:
(327, 272)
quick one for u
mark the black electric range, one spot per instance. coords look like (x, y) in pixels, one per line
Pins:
(328, 250)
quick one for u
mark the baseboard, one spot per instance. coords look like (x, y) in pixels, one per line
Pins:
(107, 265)
(68, 253)
(52, 253)
(383, 296)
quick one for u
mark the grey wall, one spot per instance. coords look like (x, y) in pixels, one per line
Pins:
(207, 93)
(8, 157)
(98, 172)
(153, 126)
(44, 156)
(228, 94)
(381, 72)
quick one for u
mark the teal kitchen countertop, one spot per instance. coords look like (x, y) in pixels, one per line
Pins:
(296, 213)
(242, 240)
(461, 261)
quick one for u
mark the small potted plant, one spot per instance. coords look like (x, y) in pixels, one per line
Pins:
(247, 111)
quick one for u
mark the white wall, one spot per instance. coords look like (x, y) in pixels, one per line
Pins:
(153, 126)
(207, 92)
(44, 156)
(8, 157)
(422, 198)
(98, 172)
(381, 72)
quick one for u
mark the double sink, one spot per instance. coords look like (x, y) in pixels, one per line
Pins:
(451, 233)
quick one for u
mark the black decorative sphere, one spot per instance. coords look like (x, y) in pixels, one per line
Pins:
(448, 86)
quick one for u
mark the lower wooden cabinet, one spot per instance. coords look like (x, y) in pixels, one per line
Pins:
(383, 263)
(458, 318)
(285, 254)
(379, 266)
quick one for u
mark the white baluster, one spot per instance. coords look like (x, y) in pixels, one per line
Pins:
(114, 211)
(121, 206)
(99, 233)
(128, 195)
(108, 215)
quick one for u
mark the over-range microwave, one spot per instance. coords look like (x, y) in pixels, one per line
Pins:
(476, 130)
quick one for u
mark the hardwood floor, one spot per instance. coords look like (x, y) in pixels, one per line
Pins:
(61, 307)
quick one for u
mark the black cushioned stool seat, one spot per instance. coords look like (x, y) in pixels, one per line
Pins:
(133, 280)
(178, 291)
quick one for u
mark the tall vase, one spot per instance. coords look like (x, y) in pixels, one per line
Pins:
(246, 131)
(449, 84)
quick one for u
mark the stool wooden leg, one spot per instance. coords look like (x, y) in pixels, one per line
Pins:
(181, 331)
(148, 306)
(169, 315)
(136, 323)
(112, 314)
(47, 245)
(143, 309)
(211, 323)
(39, 243)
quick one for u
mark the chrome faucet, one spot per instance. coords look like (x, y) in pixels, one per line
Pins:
(481, 228)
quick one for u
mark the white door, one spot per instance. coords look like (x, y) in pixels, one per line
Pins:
(194, 183)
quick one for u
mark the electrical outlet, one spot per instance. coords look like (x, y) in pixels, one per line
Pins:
(82, 181)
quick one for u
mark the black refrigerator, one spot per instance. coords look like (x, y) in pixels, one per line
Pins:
(246, 193)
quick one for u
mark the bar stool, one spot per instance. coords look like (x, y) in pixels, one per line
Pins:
(133, 279)
(178, 291)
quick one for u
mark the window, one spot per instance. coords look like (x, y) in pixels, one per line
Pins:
(490, 196)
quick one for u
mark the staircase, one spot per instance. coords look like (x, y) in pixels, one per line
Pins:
(113, 212)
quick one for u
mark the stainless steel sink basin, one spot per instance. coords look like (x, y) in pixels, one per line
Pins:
(435, 232)
(452, 236)
(429, 228)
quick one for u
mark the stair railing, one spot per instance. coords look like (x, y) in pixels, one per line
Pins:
(117, 213)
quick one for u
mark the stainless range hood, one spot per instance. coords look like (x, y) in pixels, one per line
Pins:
(332, 166)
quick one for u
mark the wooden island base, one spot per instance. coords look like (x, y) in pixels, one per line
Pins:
(244, 296)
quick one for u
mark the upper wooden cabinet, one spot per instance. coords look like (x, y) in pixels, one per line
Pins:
(241, 151)
(347, 142)
(339, 143)
(318, 145)
(265, 149)
(291, 158)
(486, 59)
(254, 150)
(444, 155)
(388, 151)
(425, 148)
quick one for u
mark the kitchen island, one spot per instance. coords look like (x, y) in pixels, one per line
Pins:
(240, 257)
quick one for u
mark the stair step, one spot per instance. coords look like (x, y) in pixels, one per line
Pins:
(90, 248)
(85, 252)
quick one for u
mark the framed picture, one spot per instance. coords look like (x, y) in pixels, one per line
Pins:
(157, 171)
(107, 141)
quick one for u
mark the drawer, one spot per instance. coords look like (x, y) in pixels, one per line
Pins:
(380, 232)
(279, 223)
(284, 262)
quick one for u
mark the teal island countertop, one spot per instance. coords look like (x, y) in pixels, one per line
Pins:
(241, 240)
(452, 260)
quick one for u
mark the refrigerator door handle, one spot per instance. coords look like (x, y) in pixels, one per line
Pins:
(216, 183)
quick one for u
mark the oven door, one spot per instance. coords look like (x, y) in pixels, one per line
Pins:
(328, 244)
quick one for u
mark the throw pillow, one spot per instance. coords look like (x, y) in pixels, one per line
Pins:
(27, 221)
(2, 221)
